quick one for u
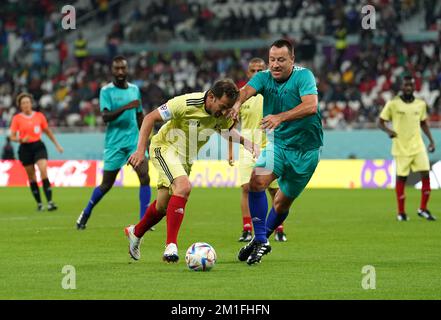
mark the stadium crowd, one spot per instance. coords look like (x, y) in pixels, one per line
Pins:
(240, 19)
(354, 80)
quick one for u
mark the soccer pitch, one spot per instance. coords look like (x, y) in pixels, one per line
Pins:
(332, 234)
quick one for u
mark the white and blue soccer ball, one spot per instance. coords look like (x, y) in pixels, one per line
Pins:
(200, 256)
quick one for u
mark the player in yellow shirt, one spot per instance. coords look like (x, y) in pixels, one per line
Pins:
(408, 116)
(190, 120)
(250, 117)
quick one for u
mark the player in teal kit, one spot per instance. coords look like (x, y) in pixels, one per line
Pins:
(291, 113)
(120, 104)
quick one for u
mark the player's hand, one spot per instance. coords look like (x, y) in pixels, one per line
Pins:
(392, 134)
(136, 159)
(234, 112)
(271, 121)
(431, 147)
(60, 149)
(25, 139)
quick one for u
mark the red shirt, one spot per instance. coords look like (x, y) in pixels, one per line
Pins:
(29, 126)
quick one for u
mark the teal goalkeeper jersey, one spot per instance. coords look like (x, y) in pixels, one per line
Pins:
(123, 131)
(301, 134)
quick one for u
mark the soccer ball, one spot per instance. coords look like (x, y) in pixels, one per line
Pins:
(200, 256)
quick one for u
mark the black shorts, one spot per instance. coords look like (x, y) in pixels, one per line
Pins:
(30, 153)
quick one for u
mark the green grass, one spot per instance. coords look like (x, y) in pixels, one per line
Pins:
(332, 234)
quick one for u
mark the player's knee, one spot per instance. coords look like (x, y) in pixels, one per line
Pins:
(183, 189)
(257, 184)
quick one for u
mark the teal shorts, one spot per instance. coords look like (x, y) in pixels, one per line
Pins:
(116, 158)
(293, 168)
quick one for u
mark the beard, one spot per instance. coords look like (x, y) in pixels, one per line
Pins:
(408, 96)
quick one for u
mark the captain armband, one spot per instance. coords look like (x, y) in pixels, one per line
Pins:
(165, 112)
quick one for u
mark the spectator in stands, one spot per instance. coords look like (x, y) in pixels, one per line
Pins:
(103, 10)
(307, 48)
(114, 40)
(8, 150)
(352, 88)
(81, 52)
(63, 52)
(341, 43)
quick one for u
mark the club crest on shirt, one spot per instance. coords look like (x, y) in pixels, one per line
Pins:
(37, 129)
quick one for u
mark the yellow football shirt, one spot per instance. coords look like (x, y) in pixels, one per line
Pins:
(250, 115)
(189, 126)
(406, 118)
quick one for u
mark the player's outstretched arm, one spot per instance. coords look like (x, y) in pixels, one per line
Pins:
(231, 146)
(382, 126)
(112, 115)
(425, 127)
(308, 107)
(51, 136)
(144, 133)
(235, 136)
(245, 93)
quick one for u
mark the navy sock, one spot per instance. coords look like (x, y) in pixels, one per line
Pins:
(97, 194)
(274, 220)
(144, 199)
(258, 209)
(35, 191)
(47, 189)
